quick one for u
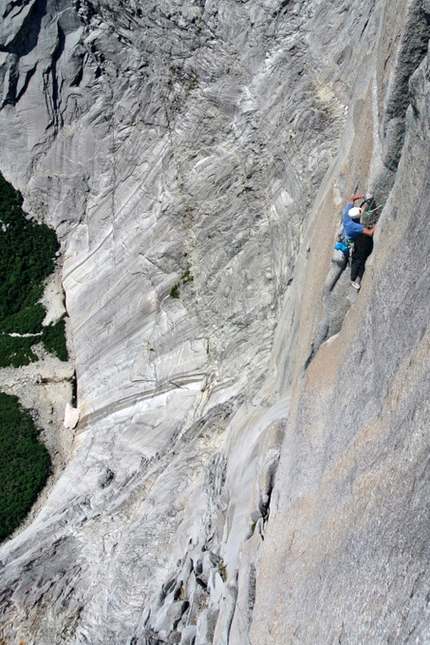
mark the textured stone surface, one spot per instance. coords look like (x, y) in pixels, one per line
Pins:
(212, 147)
(353, 483)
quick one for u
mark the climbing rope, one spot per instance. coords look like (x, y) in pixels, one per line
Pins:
(371, 216)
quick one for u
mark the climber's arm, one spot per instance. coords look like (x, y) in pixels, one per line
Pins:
(354, 197)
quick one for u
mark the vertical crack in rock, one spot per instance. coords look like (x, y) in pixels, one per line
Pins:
(413, 47)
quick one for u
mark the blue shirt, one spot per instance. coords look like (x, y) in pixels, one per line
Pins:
(351, 229)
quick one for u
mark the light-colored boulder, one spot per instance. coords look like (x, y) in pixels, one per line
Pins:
(71, 417)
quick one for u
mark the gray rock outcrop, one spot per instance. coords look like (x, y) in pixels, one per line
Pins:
(250, 463)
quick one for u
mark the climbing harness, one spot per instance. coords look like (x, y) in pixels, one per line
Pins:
(344, 245)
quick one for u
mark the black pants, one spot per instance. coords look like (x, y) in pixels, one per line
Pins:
(363, 247)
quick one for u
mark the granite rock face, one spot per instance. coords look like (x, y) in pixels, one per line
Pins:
(250, 463)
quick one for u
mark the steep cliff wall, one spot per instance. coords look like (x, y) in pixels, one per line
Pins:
(206, 150)
(351, 500)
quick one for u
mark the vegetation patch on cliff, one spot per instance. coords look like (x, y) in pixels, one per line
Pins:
(27, 257)
(24, 464)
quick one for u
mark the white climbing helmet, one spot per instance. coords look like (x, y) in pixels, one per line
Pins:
(355, 213)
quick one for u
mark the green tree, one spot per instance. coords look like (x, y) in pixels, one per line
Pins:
(24, 464)
(27, 257)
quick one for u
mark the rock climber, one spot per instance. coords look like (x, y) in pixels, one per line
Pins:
(362, 237)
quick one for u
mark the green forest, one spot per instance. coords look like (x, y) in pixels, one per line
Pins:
(24, 464)
(27, 257)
